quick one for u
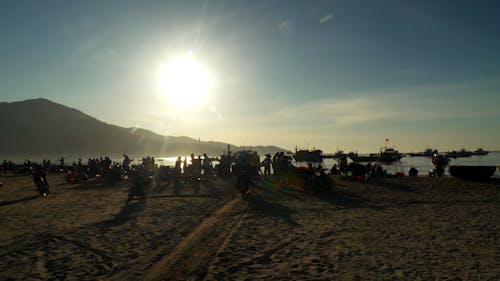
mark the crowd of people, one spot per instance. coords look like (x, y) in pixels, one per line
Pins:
(7, 166)
(195, 168)
(357, 170)
(364, 171)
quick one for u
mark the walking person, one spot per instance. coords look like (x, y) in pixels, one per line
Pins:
(266, 163)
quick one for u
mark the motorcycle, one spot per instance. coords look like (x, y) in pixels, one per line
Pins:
(439, 162)
(41, 183)
(244, 180)
(246, 170)
(314, 178)
(142, 183)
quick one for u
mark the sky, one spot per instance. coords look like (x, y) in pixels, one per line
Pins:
(309, 74)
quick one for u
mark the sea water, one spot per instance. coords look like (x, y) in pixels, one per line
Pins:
(424, 164)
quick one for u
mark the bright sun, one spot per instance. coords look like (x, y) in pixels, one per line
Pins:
(185, 81)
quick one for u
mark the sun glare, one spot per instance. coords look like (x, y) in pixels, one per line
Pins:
(185, 81)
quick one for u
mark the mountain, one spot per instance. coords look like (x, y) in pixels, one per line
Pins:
(40, 128)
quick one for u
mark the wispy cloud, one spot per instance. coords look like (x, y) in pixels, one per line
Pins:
(325, 18)
(286, 28)
(404, 105)
(411, 117)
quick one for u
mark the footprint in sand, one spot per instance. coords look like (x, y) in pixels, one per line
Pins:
(40, 265)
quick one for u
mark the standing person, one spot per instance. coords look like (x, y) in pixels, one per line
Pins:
(285, 165)
(185, 168)
(126, 163)
(40, 180)
(266, 163)
(276, 164)
(196, 167)
(178, 166)
(343, 165)
(440, 162)
(207, 165)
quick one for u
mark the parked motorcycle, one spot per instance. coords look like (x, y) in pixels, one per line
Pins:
(246, 170)
(142, 183)
(244, 180)
(40, 180)
(314, 178)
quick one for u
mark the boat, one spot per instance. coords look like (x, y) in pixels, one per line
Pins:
(480, 151)
(335, 155)
(339, 153)
(372, 157)
(426, 153)
(472, 172)
(303, 155)
(456, 154)
(390, 155)
(387, 155)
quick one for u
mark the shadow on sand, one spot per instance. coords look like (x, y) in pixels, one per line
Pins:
(272, 209)
(211, 188)
(492, 181)
(26, 199)
(179, 196)
(337, 197)
(127, 212)
(96, 184)
(347, 200)
(188, 190)
(391, 185)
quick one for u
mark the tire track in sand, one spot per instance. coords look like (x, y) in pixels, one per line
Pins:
(192, 256)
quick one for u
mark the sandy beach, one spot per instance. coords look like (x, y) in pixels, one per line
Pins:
(383, 229)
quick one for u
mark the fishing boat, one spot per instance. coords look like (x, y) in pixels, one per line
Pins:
(372, 157)
(387, 155)
(426, 153)
(456, 154)
(472, 172)
(335, 155)
(314, 156)
(390, 155)
(480, 151)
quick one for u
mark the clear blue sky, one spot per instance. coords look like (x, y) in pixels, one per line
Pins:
(326, 74)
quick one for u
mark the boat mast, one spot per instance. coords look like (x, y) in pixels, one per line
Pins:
(385, 147)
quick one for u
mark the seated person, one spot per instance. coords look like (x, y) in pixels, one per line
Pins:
(413, 172)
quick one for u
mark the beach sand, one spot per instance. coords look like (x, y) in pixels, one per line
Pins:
(383, 229)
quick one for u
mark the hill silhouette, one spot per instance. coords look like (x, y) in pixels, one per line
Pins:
(42, 128)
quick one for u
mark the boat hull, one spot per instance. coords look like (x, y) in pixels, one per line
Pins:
(472, 172)
(390, 158)
(315, 156)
